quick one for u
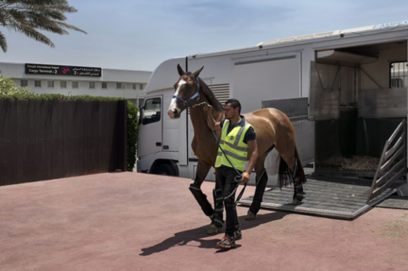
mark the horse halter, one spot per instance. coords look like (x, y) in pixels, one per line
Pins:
(195, 96)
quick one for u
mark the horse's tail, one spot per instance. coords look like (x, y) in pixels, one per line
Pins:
(284, 171)
(300, 172)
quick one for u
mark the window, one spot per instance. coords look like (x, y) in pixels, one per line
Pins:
(91, 84)
(37, 83)
(50, 84)
(151, 112)
(104, 85)
(141, 86)
(118, 85)
(398, 74)
(24, 83)
(133, 86)
(63, 84)
(75, 84)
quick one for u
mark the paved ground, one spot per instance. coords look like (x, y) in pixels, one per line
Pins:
(131, 221)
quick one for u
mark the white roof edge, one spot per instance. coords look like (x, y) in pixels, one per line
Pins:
(309, 37)
(222, 52)
(338, 32)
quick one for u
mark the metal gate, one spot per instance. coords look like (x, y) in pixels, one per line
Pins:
(392, 164)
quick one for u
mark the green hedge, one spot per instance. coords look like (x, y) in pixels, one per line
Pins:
(131, 115)
(131, 134)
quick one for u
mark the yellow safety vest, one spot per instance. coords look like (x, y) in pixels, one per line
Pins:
(233, 146)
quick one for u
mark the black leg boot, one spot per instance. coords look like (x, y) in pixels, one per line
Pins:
(298, 193)
(201, 198)
(259, 192)
(217, 217)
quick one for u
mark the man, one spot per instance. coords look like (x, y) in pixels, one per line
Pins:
(238, 144)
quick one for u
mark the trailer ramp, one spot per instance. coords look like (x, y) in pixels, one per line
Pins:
(342, 198)
(347, 198)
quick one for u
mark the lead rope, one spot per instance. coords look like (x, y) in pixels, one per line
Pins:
(237, 179)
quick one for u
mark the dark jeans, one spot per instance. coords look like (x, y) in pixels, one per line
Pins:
(225, 179)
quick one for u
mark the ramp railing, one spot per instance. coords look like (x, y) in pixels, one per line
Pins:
(393, 162)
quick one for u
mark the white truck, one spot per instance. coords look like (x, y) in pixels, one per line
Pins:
(318, 80)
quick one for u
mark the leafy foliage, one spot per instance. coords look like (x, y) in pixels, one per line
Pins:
(31, 16)
(132, 133)
(50, 97)
(7, 86)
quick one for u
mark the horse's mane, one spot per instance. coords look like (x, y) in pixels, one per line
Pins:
(212, 100)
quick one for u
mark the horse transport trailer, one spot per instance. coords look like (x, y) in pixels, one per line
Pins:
(345, 92)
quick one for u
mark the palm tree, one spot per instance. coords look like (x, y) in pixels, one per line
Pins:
(31, 16)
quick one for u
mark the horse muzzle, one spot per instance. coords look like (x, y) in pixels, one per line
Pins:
(173, 113)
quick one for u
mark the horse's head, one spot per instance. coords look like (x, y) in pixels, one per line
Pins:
(187, 92)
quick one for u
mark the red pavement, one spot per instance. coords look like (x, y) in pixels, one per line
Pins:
(132, 221)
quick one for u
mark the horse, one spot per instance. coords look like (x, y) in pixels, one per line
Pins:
(273, 130)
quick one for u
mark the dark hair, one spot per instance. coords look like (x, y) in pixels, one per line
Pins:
(234, 103)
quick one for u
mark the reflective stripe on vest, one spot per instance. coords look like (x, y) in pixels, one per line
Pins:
(234, 146)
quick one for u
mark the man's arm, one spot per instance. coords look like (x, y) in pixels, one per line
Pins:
(210, 120)
(253, 156)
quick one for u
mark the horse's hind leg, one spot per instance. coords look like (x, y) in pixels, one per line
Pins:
(261, 181)
(298, 193)
(299, 178)
(296, 174)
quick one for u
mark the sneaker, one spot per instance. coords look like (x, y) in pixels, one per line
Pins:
(237, 235)
(226, 242)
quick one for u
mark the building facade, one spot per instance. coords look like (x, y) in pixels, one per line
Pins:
(78, 80)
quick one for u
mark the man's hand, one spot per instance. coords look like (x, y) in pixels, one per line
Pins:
(207, 107)
(245, 177)
(211, 122)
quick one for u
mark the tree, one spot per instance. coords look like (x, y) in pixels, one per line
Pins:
(32, 16)
(7, 86)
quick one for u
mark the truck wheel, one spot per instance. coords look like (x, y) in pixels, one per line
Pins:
(165, 169)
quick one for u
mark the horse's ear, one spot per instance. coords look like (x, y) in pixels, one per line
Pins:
(196, 73)
(180, 70)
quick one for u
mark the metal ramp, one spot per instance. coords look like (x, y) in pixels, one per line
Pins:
(346, 198)
(326, 196)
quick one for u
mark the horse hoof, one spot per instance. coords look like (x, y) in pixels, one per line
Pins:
(250, 216)
(295, 201)
(213, 229)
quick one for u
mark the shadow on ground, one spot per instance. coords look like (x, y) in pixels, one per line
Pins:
(184, 237)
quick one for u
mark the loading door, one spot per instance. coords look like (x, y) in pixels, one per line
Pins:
(324, 91)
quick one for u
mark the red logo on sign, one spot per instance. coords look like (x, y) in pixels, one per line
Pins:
(65, 70)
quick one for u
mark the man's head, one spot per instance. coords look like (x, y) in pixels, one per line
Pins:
(232, 108)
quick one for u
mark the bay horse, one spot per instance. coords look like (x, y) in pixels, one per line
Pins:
(273, 130)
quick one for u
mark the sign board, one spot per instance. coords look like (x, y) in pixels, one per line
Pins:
(62, 70)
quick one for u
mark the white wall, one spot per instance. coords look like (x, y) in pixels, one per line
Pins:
(128, 79)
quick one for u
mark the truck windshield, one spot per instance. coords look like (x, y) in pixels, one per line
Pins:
(151, 111)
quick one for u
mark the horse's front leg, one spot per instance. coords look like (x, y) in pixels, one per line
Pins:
(195, 188)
